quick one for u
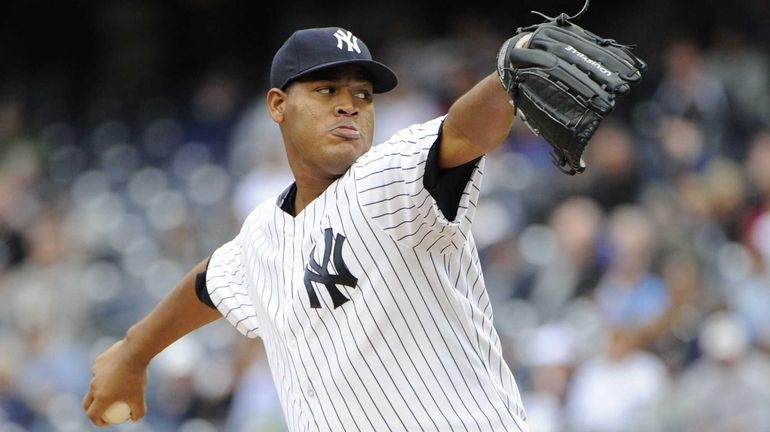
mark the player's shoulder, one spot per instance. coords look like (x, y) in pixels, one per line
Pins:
(262, 212)
(417, 131)
(417, 137)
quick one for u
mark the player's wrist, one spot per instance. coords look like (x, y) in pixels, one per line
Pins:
(136, 348)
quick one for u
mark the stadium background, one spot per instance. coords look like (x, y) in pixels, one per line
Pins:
(133, 141)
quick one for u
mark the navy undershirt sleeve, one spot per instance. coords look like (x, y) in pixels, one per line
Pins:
(200, 288)
(446, 185)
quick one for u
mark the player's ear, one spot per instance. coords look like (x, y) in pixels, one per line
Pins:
(276, 103)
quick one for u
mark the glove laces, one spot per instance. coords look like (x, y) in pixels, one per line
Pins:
(563, 18)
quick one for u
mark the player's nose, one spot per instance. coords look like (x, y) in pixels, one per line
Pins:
(345, 104)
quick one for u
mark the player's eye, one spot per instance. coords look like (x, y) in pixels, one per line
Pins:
(365, 95)
(326, 90)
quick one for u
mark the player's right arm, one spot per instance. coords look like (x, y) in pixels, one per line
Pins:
(120, 372)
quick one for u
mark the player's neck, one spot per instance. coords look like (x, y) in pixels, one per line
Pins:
(310, 181)
(307, 194)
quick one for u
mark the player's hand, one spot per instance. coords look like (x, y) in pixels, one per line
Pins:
(117, 376)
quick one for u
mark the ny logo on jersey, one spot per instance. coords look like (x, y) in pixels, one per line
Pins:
(320, 273)
(348, 38)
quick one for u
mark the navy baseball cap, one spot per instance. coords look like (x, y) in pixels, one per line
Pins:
(314, 49)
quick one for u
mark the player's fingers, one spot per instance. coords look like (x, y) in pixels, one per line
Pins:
(95, 412)
(138, 410)
(87, 399)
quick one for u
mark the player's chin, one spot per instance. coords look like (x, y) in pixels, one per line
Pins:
(341, 156)
(350, 148)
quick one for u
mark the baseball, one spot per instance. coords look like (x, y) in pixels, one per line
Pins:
(118, 412)
(523, 42)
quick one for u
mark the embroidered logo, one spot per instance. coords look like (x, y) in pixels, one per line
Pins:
(322, 273)
(349, 39)
(588, 60)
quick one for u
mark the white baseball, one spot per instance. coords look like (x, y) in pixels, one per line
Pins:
(523, 42)
(118, 412)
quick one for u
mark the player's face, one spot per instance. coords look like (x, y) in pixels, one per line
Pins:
(327, 120)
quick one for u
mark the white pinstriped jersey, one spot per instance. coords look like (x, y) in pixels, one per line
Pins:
(371, 304)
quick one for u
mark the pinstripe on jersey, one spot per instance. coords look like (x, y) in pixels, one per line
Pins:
(412, 347)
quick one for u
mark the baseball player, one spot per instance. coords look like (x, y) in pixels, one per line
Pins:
(362, 278)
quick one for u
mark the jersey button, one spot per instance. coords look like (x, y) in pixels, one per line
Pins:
(310, 393)
(292, 345)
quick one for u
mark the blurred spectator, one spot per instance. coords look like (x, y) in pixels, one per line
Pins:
(744, 70)
(551, 355)
(614, 177)
(19, 201)
(53, 369)
(711, 212)
(616, 390)
(726, 390)
(728, 193)
(672, 336)
(13, 408)
(255, 404)
(214, 109)
(12, 248)
(749, 286)
(14, 127)
(574, 268)
(629, 295)
(683, 145)
(688, 91)
(757, 228)
(748, 294)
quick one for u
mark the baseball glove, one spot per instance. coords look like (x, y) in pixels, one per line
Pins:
(565, 82)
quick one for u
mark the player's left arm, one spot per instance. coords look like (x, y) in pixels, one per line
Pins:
(477, 123)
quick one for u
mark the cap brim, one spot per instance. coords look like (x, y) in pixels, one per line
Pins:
(383, 78)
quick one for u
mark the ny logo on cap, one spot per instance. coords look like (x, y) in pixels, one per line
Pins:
(348, 38)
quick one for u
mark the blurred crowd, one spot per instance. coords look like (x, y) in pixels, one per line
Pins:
(633, 297)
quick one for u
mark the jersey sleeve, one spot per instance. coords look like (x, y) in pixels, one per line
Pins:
(390, 182)
(228, 285)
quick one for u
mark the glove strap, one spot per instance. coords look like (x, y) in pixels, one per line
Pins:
(502, 67)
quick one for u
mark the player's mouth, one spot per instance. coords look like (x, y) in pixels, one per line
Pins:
(346, 131)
